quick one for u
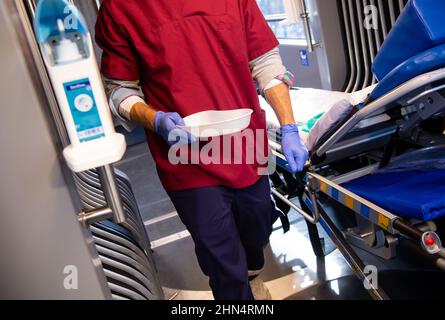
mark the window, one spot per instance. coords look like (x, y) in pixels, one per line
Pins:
(275, 13)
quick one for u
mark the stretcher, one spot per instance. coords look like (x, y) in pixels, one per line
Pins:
(360, 146)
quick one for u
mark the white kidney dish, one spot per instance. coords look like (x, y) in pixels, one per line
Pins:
(216, 123)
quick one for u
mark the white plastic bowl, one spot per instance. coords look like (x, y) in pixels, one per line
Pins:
(214, 123)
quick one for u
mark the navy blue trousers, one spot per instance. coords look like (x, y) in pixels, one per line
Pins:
(230, 228)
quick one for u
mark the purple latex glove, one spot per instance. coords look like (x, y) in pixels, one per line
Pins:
(166, 125)
(293, 148)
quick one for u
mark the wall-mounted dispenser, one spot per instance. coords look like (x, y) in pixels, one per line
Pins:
(67, 49)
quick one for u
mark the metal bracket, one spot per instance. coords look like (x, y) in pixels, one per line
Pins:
(112, 194)
(90, 217)
(369, 237)
(427, 104)
(385, 247)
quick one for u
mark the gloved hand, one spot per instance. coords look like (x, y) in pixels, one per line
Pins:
(166, 125)
(293, 148)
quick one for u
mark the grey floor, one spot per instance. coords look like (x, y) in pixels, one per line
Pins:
(291, 272)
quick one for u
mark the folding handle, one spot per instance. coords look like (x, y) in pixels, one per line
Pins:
(309, 189)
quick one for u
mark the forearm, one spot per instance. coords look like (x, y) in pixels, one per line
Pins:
(127, 102)
(279, 99)
(274, 82)
(143, 114)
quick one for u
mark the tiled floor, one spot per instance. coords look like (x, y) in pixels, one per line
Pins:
(291, 272)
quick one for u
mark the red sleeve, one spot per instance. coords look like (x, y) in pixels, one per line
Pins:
(260, 37)
(118, 59)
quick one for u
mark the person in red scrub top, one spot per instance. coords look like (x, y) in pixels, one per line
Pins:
(164, 60)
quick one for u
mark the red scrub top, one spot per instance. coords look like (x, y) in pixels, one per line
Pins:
(191, 56)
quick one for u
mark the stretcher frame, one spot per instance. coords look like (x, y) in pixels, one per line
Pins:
(413, 98)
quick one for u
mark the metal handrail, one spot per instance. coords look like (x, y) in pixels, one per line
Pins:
(307, 27)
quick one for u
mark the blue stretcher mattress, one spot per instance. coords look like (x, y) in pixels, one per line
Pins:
(418, 194)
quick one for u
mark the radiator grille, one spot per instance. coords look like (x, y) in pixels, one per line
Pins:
(362, 44)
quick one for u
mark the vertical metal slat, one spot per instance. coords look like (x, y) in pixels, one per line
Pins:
(383, 19)
(372, 52)
(356, 45)
(392, 12)
(350, 46)
(364, 45)
(401, 5)
(378, 40)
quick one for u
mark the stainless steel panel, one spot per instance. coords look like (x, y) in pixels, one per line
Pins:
(126, 292)
(130, 282)
(119, 298)
(117, 239)
(138, 277)
(123, 258)
(112, 245)
(40, 235)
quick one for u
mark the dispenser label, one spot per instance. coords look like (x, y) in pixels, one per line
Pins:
(304, 58)
(84, 110)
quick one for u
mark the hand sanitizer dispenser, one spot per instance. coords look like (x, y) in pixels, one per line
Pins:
(68, 52)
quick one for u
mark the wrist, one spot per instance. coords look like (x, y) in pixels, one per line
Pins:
(157, 117)
(142, 114)
(289, 122)
(289, 128)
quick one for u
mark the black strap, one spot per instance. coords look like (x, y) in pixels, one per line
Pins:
(281, 208)
(285, 223)
(293, 187)
(389, 149)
